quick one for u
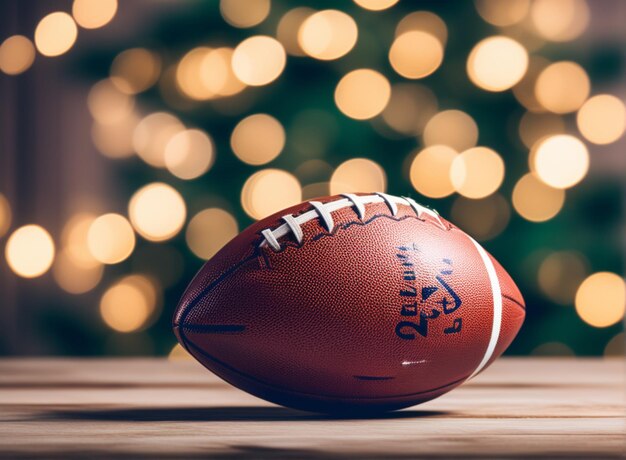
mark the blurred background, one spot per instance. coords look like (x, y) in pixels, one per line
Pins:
(137, 138)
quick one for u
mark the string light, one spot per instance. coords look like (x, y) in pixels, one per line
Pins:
(110, 238)
(424, 21)
(30, 251)
(216, 73)
(536, 126)
(93, 14)
(562, 87)
(602, 119)
(561, 161)
(268, 191)
(74, 277)
(410, 107)
(497, 63)
(5, 215)
(127, 305)
(189, 154)
(258, 139)
(416, 54)
(503, 14)
(108, 105)
(152, 135)
(358, 175)
(55, 34)
(535, 201)
(135, 70)
(376, 5)
(430, 171)
(115, 140)
(259, 60)
(601, 299)
(209, 230)
(17, 54)
(328, 35)
(289, 27)
(560, 274)
(362, 94)
(477, 172)
(560, 20)
(189, 75)
(244, 13)
(157, 211)
(453, 128)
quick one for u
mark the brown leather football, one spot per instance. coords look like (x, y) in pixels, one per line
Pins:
(365, 302)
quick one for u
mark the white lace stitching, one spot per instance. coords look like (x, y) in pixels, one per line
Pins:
(323, 212)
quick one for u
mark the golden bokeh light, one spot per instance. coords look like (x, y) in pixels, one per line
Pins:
(157, 211)
(6, 216)
(209, 230)
(358, 175)
(289, 27)
(362, 94)
(259, 60)
(268, 191)
(430, 171)
(560, 274)
(484, 219)
(376, 5)
(535, 126)
(561, 161)
(453, 128)
(416, 54)
(560, 20)
(30, 251)
(111, 238)
(129, 303)
(424, 21)
(189, 79)
(115, 140)
(72, 276)
(178, 353)
(497, 63)
(601, 299)
(502, 14)
(107, 104)
(409, 109)
(189, 154)
(602, 119)
(152, 135)
(74, 239)
(216, 73)
(244, 13)
(477, 172)
(17, 54)
(55, 34)
(616, 347)
(524, 90)
(328, 35)
(258, 139)
(535, 201)
(562, 87)
(135, 70)
(92, 14)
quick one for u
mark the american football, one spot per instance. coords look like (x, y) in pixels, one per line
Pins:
(351, 303)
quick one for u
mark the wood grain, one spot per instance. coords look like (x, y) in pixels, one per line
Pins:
(153, 408)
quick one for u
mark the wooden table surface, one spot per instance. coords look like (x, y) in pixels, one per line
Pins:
(153, 408)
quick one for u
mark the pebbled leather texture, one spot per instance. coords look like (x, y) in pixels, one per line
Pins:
(384, 312)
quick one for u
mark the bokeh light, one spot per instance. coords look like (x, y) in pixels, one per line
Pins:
(601, 299)
(55, 34)
(376, 5)
(430, 171)
(358, 175)
(5, 215)
(75, 243)
(416, 54)
(209, 230)
(92, 14)
(524, 90)
(115, 140)
(216, 73)
(30, 251)
(561, 161)
(602, 119)
(135, 70)
(107, 104)
(553, 349)
(560, 274)
(17, 54)
(189, 154)
(259, 60)
(477, 172)
(424, 21)
(559, 20)
(503, 14)
(453, 128)
(111, 238)
(74, 277)
(328, 35)
(152, 135)
(497, 63)
(535, 126)
(157, 211)
(562, 87)
(289, 28)
(616, 347)
(535, 201)
(484, 219)
(128, 304)
(409, 109)
(362, 94)
(244, 13)
(268, 191)
(189, 79)
(258, 139)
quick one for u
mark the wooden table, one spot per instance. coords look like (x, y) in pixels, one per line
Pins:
(153, 408)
